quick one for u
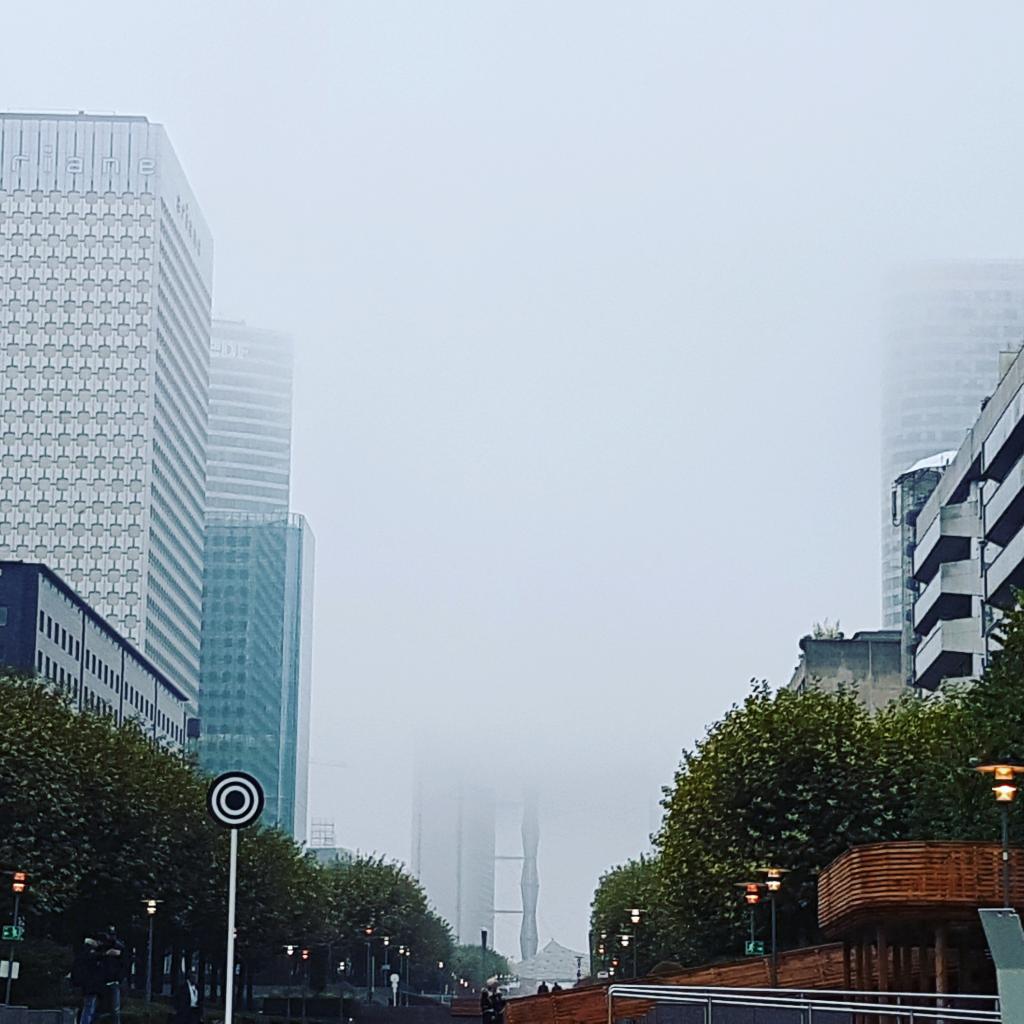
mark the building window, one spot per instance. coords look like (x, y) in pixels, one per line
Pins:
(49, 628)
(39, 661)
(42, 621)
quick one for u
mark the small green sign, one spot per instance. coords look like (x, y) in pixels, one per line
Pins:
(12, 933)
(755, 948)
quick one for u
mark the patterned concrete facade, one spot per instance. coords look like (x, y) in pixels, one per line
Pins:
(105, 282)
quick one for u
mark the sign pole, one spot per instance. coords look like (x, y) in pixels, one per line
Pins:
(234, 800)
(229, 981)
(10, 960)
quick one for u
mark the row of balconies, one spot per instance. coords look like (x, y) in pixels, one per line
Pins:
(971, 555)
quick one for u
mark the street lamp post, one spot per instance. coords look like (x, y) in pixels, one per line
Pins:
(773, 883)
(635, 916)
(751, 896)
(1004, 788)
(625, 940)
(151, 914)
(368, 932)
(18, 882)
(405, 952)
(290, 950)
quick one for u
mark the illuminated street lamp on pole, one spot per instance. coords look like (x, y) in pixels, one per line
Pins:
(1004, 788)
(635, 916)
(151, 906)
(773, 883)
(751, 896)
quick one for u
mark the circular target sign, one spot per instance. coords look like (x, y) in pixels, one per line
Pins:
(235, 799)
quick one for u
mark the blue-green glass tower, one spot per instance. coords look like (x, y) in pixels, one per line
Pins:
(258, 579)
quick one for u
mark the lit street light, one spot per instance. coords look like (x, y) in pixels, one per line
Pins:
(635, 916)
(151, 906)
(751, 896)
(773, 883)
(1004, 778)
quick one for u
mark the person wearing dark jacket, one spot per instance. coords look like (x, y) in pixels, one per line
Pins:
(87, 974)
(486, 1006)
(186, 1001)
(114, 968)
(497, 1005)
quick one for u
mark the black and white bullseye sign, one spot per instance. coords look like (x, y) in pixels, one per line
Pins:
(235, 799)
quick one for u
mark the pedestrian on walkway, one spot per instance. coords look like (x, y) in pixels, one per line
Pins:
(497, 1004)
(114, 969)
(186, 1000)
(486, 1006)
(87, 976)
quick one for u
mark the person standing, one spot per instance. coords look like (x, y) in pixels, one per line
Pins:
(114, 969)
(486, 1005)
(186, 1001)
(497, 1005)
(87, 975)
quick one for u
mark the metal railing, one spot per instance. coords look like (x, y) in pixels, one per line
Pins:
(807, 1006)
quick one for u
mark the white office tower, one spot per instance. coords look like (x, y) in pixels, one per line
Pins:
(453, 847)
(105, 279)
(944, 326)
(249, 467)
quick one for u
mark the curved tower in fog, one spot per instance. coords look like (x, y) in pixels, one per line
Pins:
(530, 883)
(944, 325)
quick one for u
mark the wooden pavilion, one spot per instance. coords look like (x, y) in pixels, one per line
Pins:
(907, 913)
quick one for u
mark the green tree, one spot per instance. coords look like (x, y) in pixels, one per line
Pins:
(372, 892)
(472, 964)
(635, 885)
(787, 778)
(102, 818)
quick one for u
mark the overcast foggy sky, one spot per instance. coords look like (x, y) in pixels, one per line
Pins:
(584, 297)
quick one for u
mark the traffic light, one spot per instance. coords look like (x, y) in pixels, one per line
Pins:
(20, 880)
(752, 894)
(305, 954)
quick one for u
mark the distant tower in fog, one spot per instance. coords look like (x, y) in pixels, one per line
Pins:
(455, 851)
(944, 325)
(453, 848)
(530, 883)
(250, 434)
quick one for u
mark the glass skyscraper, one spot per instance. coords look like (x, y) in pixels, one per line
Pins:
(944, 325)
(105, 276)
(257, 640)
(258, 592)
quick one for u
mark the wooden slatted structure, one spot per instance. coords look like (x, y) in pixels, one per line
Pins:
(907, 912)
(815, 967)
(908, 882)
(907, 915)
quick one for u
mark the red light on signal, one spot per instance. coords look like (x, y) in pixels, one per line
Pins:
(20, 880)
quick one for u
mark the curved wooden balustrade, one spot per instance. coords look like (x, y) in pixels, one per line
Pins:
(815, 967)
(911, 882)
